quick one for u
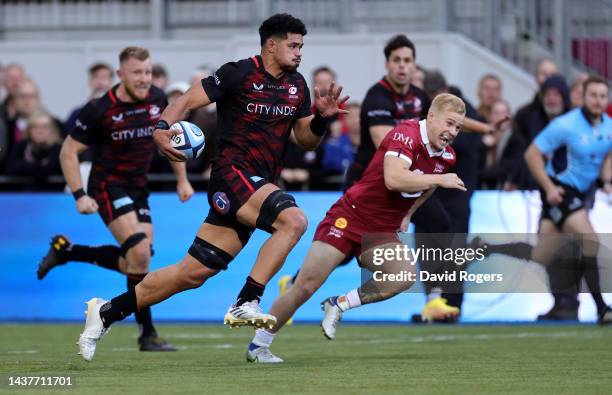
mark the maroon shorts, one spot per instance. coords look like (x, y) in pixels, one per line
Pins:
(343, 229)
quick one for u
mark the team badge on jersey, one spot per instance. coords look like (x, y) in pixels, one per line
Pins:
(221, 202)
(341, 223)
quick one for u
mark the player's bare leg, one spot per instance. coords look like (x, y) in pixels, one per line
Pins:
(578, 224)
(289, 227)
(271, 209)
(155, 287)
(321, 260)
(376, 289)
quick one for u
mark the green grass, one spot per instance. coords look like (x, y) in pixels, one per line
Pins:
(363, 359)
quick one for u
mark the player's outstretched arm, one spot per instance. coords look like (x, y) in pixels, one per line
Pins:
(310, 130)
(194, 98)
(398, 177)
(69, 160)
(183, 186)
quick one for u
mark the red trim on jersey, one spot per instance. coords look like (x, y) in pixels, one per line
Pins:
(254, 58)
(112, 96)
(387, 86)
(243, 178)
(108, 205)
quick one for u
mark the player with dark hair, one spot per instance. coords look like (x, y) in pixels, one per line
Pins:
(586, 132)
(121, 125)
(406, 168)
(259, 101)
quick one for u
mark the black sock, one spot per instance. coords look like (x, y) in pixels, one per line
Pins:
(104, 256)
(590, 270)
(518, 250)
(252, 290)
(118, 308)
(143, 316)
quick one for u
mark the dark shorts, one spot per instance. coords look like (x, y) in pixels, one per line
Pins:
(114, 201)
(229, 189)
(573, 200)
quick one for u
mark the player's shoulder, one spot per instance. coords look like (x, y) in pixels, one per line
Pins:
(407, 132)
(378, 96)
(418, 91)
(157, 94)
(95, 108)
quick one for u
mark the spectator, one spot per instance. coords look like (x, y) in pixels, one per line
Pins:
(494, 144)
(160, 76)
(100, 81)
(489, 93)
(37, 156)
(576, 90)
(176, 90)
(27, 100)
(418, 77)
(337, 151)
(553, 100)
(308, 165)
(14, 75)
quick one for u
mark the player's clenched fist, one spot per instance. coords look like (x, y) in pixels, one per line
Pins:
(452, 180)
(86, 205)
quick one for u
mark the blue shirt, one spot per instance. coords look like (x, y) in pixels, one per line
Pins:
(587, 147)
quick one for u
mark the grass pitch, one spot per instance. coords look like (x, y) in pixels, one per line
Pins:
(383, 359)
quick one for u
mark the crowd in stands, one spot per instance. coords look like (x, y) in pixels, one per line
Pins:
(31, 137)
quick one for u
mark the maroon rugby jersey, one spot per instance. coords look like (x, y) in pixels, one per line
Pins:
(380, 208)
(383, 106)
(255, 115)
(122, 134)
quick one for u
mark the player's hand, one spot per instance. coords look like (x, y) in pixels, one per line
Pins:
(554, 195)
(86, 205)
(405, 224)
(497, 125)
(184, 190)
(162, 140)
(330, 104)
(452, 180)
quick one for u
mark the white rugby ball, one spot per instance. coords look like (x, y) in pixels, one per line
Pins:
(190, 141)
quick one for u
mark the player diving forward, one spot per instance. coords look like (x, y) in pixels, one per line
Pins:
(409, 164)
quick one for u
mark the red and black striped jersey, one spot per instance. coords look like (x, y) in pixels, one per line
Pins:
(122, 135)
(255, 115)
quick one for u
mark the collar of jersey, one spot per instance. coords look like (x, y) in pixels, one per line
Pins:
(425, 138)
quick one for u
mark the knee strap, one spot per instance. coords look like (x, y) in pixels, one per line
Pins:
(276, 202)
(131, 242)
(208, 255)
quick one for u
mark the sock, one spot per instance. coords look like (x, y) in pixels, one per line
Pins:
(262, 338)
(434, 293)
(590, 271)
(518, 250)
(106, 256)
(252, 290)
(349, 301)
(118, 308)
(143, 316)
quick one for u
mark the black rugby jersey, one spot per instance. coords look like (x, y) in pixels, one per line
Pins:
(255, 115)
(122, 133)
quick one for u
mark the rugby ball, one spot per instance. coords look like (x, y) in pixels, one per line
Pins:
(190, 141)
